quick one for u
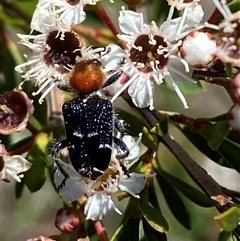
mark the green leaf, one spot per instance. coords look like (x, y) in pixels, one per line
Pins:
(174, 202)
(128, 230)
(189, 191)
(214, 133)
(41, 110)
(19, 189)
(153, 216)
(234, 6)
(151, 234)
(134, 125)
(159, 10)
(222, 117)
(161, 128)
(120, 232)
(185, 86)
(148, 140)
(230, 151)
(35, 177)
(224, 236)
(230, 219)
(201, 144)
(9, 78)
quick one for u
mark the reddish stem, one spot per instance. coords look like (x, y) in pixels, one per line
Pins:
(214, 18)
(22, 149)
(104, 16)
(100, 230)
(31, 128)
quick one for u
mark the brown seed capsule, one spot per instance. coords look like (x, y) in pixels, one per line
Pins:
(15, 109)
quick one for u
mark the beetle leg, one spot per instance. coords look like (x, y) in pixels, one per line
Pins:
(54, 151)
(119, 126)
(124, 148)
(112, 79)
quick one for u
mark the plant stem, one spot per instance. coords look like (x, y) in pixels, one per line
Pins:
(22, 149)
(106, 19)
(100, 230)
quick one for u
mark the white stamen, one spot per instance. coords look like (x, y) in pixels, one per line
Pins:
(179, 93)
(124, 87)
(223, 9)
(46, 92)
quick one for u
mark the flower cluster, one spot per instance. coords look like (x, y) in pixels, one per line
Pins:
(148, 55)
(99, 191)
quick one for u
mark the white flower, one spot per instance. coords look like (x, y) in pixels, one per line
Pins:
(74, 187)
(148, 56)
(99, 191)
(181, 4)
(191, 18)
(53, 54)
(228, 47)
(69, 11)
(12, 165)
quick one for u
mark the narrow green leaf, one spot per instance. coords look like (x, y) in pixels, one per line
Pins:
(19, 189)
(141, 236)
(129, 230)
(35, 177)
(234, 6)
(230, 219)
(126, 216)
(148, 140)
(151, 234)
(222, 117)
(189, 191)
(161, 128)
(224, 236)
(153, 217)
(185, 86)
(174, 202)
(40, 113)
(134, 125)
(214, 133)
(201, 144)
(230, 151)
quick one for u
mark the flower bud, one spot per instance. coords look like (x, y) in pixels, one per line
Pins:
(67, 219)
(233, 117)
(198, 49)
(235, 83)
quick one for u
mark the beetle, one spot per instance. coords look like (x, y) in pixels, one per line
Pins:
(89, 122)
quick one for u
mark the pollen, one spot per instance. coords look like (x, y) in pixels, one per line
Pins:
(87, 76)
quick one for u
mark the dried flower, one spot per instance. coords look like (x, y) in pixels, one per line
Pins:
(15, 110)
